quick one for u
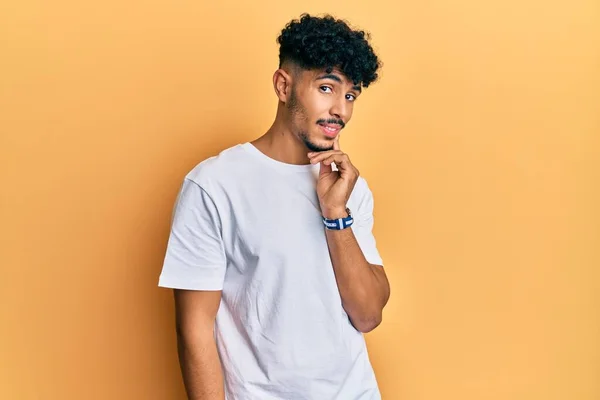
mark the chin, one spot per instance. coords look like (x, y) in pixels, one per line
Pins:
(316, 145)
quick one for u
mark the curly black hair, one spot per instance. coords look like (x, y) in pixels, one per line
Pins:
(325, 43)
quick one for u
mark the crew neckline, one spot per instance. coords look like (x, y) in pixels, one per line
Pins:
(250, 148)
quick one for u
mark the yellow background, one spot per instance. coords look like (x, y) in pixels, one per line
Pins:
(480, 143)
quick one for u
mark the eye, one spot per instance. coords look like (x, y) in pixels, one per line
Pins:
(325, 89)
(350, 97)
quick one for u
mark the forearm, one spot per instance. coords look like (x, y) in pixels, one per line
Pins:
(200, 367)
(363, 287)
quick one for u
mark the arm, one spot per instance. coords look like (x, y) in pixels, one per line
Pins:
(364, 287)
(195, 313)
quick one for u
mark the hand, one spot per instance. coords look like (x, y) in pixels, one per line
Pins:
(334, 187)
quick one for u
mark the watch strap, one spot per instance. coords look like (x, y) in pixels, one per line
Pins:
(339, 223)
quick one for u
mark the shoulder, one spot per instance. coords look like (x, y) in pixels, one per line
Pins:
(217, 168)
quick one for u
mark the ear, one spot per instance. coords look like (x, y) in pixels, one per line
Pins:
(282, 83)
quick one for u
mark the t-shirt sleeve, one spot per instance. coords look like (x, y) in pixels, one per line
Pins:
(195, 255)
(363, 227)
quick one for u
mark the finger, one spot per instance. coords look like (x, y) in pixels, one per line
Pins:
(324, 169)
(318, 153)
(344, 166)
(317, 157)
(342, 161)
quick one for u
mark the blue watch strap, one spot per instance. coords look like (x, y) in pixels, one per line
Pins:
(339, 223)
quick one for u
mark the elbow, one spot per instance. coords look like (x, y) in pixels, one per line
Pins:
(367, 324)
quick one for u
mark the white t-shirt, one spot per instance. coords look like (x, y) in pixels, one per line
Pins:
(251, 226)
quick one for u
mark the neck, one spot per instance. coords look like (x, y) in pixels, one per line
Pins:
(282, 145)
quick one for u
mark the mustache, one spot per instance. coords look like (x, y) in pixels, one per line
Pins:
(332, 121)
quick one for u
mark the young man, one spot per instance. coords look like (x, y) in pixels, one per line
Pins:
(271, 255)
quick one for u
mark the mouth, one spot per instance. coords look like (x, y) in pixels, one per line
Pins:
(330, 130)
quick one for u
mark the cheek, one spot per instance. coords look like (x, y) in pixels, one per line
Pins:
(350, 111)
(314, 99)
(320, 107)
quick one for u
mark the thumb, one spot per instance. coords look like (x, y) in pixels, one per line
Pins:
(324, 169)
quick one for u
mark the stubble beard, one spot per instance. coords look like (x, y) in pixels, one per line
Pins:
(298, 112)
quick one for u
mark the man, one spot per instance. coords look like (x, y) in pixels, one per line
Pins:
(275, 269)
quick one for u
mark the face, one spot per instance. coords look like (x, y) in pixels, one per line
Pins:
(320, 105)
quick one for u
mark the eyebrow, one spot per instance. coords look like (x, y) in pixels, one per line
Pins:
(336, 78)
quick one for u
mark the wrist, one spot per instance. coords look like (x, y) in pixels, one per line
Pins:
(334, 212)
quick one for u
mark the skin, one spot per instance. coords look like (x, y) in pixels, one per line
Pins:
(307, 100)
(306, 97)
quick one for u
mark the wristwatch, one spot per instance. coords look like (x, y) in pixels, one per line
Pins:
(339, 223)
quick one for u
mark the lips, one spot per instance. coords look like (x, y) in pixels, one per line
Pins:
(330, 129)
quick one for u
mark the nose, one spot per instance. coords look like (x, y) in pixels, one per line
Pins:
(340, 108)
